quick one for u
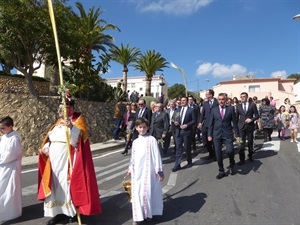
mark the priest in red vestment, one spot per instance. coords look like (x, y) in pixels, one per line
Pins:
(67, 190)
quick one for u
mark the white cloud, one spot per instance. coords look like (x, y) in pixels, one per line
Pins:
(281, 73)
(177, 7)
(221, 70)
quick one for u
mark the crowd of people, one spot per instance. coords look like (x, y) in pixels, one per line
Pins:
(66, 177)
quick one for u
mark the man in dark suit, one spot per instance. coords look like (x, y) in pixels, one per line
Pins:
(184, 126)
(247, 114)
(172, 128)
(204, 121)
(160, 126)
(144, 112)
(221, 124)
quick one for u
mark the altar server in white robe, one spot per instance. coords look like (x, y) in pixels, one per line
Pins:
(10, 171)
(146, 173)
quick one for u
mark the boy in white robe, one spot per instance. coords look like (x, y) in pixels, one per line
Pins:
(10, 171)
(146, 173)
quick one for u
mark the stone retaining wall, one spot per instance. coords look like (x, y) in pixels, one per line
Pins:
(11, 84)
(34, 116)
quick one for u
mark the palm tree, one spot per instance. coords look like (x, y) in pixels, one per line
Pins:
(93, 32)
(125, 56)
(150, 63)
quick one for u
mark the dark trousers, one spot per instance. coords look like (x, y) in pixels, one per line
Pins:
(229, 150)
(168, 140)
(117, 123)
(246, 133)
(183, 142)
(208, 145)
(193, 138)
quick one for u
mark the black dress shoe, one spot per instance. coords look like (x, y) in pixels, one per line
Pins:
(220, 175)
(241, 163)
(189, 165)
(176, 168)
(56, 219)
(232, 170)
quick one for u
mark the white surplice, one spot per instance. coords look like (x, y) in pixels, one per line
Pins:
(59, 201)
(146, 188)
(10, 176)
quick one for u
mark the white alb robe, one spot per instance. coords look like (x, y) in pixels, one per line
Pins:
(145, 163)
(59, 201)
(10, 176)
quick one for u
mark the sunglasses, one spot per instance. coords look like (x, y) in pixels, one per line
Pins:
(141, 104)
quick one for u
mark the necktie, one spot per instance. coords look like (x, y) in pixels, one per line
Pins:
(156, 115)
(210, 103)
(140, 113)
(182, 114)
(171, 115)
(245, 109)
(222, 112)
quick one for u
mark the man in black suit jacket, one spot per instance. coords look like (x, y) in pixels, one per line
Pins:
(159, 126)
(221, 124)
(247, 114)
(184, 126)
(172, 111)
(144, 112)
(204, 121)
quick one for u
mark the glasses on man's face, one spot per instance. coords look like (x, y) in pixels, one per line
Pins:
(141, 104)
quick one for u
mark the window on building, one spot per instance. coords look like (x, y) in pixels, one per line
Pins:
(141, 89)
(133, 85)
(254, 88)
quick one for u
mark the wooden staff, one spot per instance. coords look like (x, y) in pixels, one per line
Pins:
(67, 132)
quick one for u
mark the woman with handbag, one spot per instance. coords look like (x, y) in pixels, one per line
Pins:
(128, 119)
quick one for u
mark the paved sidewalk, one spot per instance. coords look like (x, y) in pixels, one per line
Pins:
(32, 161)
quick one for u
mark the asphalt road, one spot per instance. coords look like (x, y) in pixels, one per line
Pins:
(263, 192)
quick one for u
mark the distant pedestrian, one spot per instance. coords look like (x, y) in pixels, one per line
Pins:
(118, 116)
(272, 102)
(266, 114)
(146, 173)
(10, 171)
(160, 127)
(128, 119)
(203, 122)
(247, 114)
(294, 123)
(281, 119)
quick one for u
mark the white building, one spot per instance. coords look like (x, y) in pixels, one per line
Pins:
(159, 85)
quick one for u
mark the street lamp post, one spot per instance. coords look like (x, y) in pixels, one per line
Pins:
(297, 17)
(183, 75)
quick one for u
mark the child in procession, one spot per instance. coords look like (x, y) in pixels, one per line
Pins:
(10, 171)
(146, 173)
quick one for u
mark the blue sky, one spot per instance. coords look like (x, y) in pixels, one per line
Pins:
(211, 40)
